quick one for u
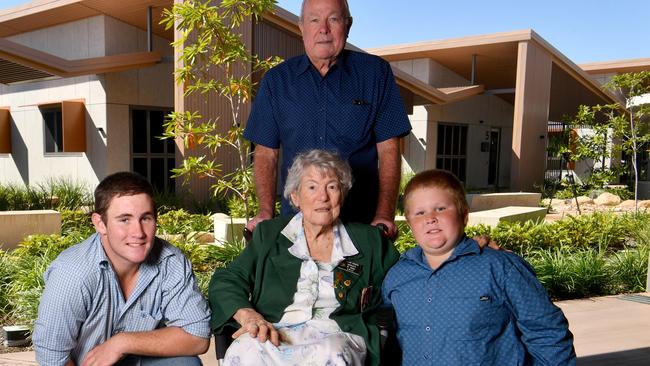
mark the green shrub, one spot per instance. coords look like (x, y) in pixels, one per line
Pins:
(55, 193)
(236, 208)
(65, 194)
(629, 269)
(568, 274)
(520, 237)
(15, 197)
(6, 274)
(182, 222)
(25, 283)
(205, 258)
(76, 222)
(199, 254)
(594, 230)
(405, 239)
(225, 253)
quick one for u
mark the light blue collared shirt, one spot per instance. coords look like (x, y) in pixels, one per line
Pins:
(82, 305)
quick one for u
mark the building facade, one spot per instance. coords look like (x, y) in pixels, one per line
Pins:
(85, 86)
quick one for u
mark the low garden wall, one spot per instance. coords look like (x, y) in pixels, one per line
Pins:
(490, 201)
(16, 225)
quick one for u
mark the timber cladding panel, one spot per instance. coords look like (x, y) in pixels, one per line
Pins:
(266, 40)
(213, 108)
(270, 40)
(74, 125)
(5, 131)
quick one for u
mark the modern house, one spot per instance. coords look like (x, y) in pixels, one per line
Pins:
(85, 85)
(83, 90)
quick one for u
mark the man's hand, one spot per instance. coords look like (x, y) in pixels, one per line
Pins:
(391, 231)
(107, 353)
(253, 323)
(261, 216)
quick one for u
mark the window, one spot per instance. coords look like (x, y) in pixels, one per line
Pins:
(53, 118)
(150, 156)
(64, 127)
(5, 131)
(451, 150)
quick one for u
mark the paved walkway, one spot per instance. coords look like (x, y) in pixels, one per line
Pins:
(608, 331)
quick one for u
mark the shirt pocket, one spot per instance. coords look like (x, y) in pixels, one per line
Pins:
(142, 321)
(472, 317)
(353, 122)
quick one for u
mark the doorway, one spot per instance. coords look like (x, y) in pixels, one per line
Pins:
(495, 152)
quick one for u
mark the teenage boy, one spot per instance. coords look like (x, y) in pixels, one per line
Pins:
(122, 296)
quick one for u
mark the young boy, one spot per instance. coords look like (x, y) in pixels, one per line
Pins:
(458, 304)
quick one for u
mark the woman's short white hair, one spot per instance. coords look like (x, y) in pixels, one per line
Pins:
(325, 161)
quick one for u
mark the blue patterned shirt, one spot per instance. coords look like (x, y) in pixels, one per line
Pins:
(82, 305)
(479, 307)
(353, 107)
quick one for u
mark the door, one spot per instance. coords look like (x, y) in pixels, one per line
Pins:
(495, 149)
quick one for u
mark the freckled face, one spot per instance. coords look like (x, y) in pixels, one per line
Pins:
(318, 197)
(324, 30)
(435, 221)
(129, 231)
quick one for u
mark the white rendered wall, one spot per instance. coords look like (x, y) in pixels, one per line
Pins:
(480, 113)
(28, 162)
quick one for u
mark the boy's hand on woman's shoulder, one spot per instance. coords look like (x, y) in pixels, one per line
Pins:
(485, 241)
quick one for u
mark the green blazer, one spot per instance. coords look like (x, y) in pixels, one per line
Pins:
(265, 275)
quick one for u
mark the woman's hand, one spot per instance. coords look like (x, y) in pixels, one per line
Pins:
(253, 323)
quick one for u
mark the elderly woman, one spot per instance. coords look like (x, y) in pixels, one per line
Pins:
(306, 288)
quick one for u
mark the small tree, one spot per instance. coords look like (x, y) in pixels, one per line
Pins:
(209, 44)
(616, 129)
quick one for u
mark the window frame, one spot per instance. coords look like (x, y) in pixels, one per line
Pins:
(73, 126)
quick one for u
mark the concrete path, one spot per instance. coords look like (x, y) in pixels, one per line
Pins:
(608, 331)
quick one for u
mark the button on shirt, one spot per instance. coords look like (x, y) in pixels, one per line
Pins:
(82, 305)
(352, 108)
(480, 306)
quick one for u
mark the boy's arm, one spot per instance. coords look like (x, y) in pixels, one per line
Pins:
(186, 314)
(61, 312)
(164, 342)
(544, 328)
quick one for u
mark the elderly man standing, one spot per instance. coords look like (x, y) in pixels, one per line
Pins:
(332, 99)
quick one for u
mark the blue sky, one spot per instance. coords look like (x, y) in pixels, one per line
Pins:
(585, 31)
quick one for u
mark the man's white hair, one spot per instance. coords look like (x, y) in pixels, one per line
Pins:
(346, 10)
